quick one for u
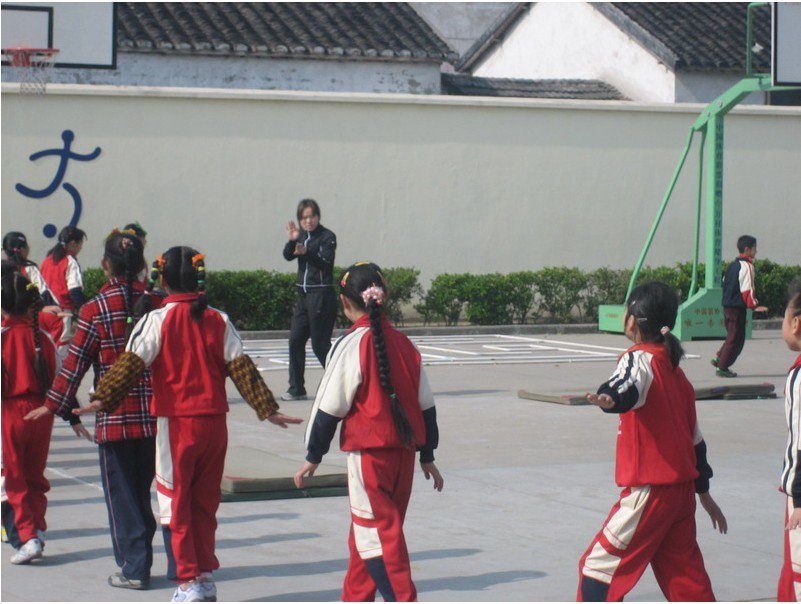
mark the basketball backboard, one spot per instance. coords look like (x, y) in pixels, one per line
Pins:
(83, 32)
(786, 43)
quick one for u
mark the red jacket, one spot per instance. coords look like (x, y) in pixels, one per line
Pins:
(658, 427)
(61, 277)
(19, 354)
(187, 359)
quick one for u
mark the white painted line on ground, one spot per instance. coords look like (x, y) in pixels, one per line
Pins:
(449, 350)
(75, 478)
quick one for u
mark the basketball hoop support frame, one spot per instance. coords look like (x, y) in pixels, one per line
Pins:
(701, 315)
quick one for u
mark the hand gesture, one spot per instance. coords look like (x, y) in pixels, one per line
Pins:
(761, 309)
(794, 521)
(300, 249)
(93, 407)
(429, 470)
(718, 519)
(36, 413)
(308, 469)
(279, 419)
(292, 231)
(82, 432)
(53, 310)
(604, 401)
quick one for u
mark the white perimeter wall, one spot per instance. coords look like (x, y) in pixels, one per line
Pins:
(566, 40)
(443, 184)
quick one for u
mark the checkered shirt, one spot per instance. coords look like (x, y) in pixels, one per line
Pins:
(98, 341)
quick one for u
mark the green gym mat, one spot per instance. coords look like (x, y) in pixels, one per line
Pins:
(722, 391)
(252, 474)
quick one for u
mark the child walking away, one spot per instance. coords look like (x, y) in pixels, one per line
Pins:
(29, 363)
(126, 438)
(739, 293)
(375, 383)
(190, 349)
(16, 249)
(61, 270)
(661, 464)
(790, 579)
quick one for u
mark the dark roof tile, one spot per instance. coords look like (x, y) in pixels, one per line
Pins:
(466, 85)
(390, 30)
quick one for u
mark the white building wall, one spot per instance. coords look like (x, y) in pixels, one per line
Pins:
(565, 40)
(703, 87)
(197, 71)
(444, 184)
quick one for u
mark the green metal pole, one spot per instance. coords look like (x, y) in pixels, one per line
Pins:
(714, 202)
(658, 218)
(698, 205)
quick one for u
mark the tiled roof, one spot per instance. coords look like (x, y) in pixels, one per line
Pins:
(466, 85)
(683, 35)
(693, 35)
(349, 30)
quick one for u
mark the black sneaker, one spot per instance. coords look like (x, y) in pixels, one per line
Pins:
(120, 580)
(288, 396)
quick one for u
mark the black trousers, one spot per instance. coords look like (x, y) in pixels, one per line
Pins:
(127, 469)
(735, 336)
(315, 314)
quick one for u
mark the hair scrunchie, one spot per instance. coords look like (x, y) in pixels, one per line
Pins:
(374, 293)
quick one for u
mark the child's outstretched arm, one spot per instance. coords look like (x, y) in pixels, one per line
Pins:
(426, 398)
(702, 483)
(627, 389)
(254, 390)
(718, 519)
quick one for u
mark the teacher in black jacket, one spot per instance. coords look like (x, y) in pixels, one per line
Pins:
(314, 247)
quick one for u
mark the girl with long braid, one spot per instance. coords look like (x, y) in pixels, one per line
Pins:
(126, 438)
(190, 348)
(29, 363)
(375, 384)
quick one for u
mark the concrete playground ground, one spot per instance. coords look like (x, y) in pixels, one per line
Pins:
(527, 486)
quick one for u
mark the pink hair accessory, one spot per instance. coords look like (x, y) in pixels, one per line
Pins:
(374, 293)
(665, 330)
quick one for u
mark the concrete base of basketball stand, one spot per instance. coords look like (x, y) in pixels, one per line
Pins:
(717, 391)
(252, 474)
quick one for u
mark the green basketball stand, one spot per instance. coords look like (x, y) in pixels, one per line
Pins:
(701, 315)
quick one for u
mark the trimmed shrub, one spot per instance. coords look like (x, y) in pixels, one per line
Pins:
(560, 291)
(93, 280)
(772, 281)
(445, 298)
(522, 291)
(254, 300)
(489, 300)
(404, 286)
(604, 286)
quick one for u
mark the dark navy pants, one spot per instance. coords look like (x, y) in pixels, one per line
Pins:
(315, 315)
(127, 469)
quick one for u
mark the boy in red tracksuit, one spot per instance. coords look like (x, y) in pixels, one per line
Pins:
(190, 349)
(29, 363)
(661, 464)
(375, 384)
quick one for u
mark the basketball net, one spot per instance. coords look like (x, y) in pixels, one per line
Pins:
(31, 67)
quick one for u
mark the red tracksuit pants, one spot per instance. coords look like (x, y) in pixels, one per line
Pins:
(650, 524)
(790, 579)
(190, 457)
(379, 486)
(25, 449)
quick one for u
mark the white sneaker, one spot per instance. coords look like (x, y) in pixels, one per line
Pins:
(192, 593)
(30, 551)
(207, 587)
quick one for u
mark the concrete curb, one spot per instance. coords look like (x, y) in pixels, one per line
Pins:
(460, 330)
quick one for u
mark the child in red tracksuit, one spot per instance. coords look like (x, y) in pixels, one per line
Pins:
(661, 464)
(375, 384)
(61, 270)
(790, 579)
(190, 349)
(29, 363)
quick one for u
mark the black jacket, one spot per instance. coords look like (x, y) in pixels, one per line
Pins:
(316, 266)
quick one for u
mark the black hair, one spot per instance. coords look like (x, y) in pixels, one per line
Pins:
(794, 296)
(308, 203)
(13, 244)
(184, 270)
(655, 306)
(136, 228)
(744, 241)
(125, 256)
(353, 282)
(19, 296)
(67, 235)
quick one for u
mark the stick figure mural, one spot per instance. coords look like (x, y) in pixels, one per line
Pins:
(65, 154)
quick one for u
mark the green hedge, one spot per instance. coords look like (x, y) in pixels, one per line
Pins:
(264, 300)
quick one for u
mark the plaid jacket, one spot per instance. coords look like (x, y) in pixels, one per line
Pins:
(98, 341)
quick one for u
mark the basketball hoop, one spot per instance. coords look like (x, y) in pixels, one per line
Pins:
(31, 67)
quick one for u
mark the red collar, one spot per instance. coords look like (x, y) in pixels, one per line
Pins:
(797, 363)
(12, 320)
(746, 258)
(185, 297)
(364, 321)
(114, 282)
(656, 348)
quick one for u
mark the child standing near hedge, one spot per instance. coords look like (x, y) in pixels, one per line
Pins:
(790, 579)
(374, 382)
(661, 464)
(61, 270)
(739, 294)
(190, 348)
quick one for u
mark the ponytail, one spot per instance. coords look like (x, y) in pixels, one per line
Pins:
(674, 347)
(67, 235)
(655, 306)
(201, 304)
(13, 244)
